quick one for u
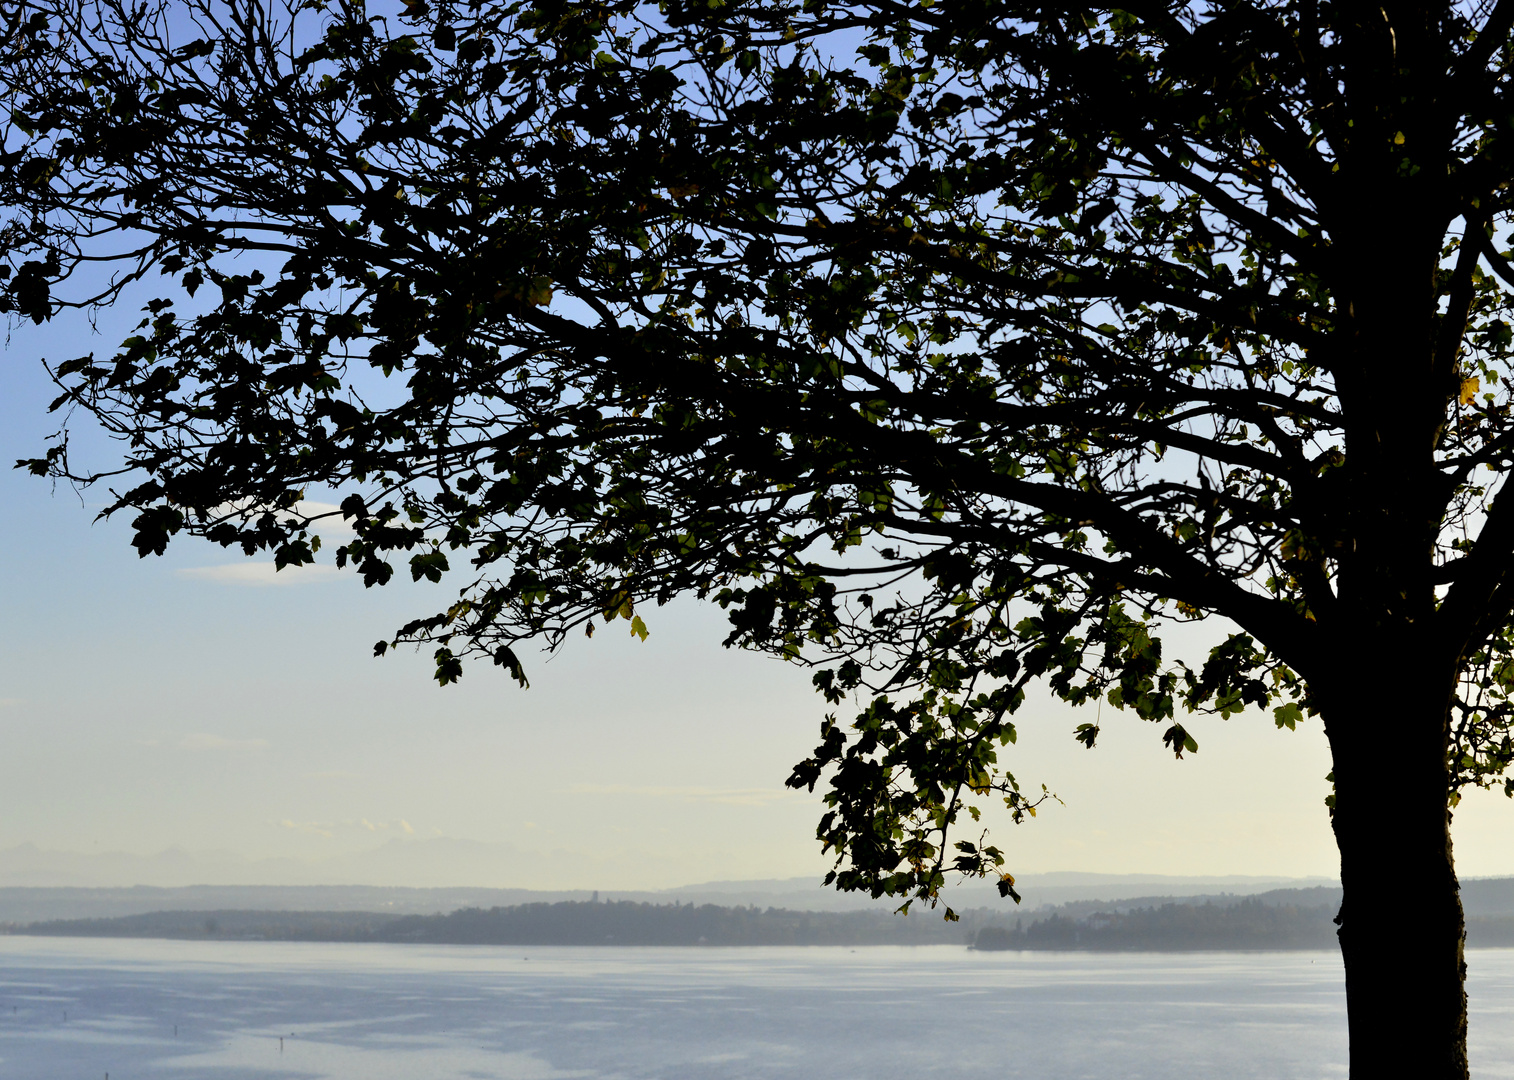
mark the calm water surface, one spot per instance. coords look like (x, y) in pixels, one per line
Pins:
(382, 1012)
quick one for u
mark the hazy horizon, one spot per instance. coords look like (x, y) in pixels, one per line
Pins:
(439, 863)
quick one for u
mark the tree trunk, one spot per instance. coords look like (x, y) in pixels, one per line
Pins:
(1401, 925)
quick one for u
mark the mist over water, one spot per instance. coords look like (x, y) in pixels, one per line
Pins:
(381, 1012)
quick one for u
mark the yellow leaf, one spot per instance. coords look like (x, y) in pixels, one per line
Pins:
(1469, 388)
(639, 628)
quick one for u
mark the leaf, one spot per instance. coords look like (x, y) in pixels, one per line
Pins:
(638, 627)
(449, 668)
(540, 291)
(295, 553)
(1469, 388)
(1178, 739)
(505, 657)
(430, 565)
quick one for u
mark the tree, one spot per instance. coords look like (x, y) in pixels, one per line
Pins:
(947, 346)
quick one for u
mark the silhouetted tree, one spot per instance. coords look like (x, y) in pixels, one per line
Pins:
(947, 346)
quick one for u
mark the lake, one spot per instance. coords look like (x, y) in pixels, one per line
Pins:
(75, 1009)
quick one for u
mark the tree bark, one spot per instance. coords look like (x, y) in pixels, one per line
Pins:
(1406, 1001)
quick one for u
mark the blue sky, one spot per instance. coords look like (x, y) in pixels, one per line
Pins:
(189, 701)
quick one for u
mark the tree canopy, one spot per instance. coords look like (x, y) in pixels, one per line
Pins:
(948, 346)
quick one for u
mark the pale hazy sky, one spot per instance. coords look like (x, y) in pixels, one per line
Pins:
(186, 701)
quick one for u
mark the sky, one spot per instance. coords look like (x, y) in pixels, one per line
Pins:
(201, 705)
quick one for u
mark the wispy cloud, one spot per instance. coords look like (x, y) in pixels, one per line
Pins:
(329, 829)
(261, 573)
(200, 740)
(384, 826)
(729, 796)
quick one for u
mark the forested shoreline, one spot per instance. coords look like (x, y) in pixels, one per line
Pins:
(1246, 924)
(1249, 924)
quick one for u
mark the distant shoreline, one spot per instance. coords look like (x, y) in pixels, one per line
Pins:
(1248, 924)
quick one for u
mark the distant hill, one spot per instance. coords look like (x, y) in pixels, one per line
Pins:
(1074, 897)
(1480, 897)
(565, 923)
(221, 926)
(34, 904)
(1278, 919)
(30, 903)
(626, 923)
(1248, 923)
